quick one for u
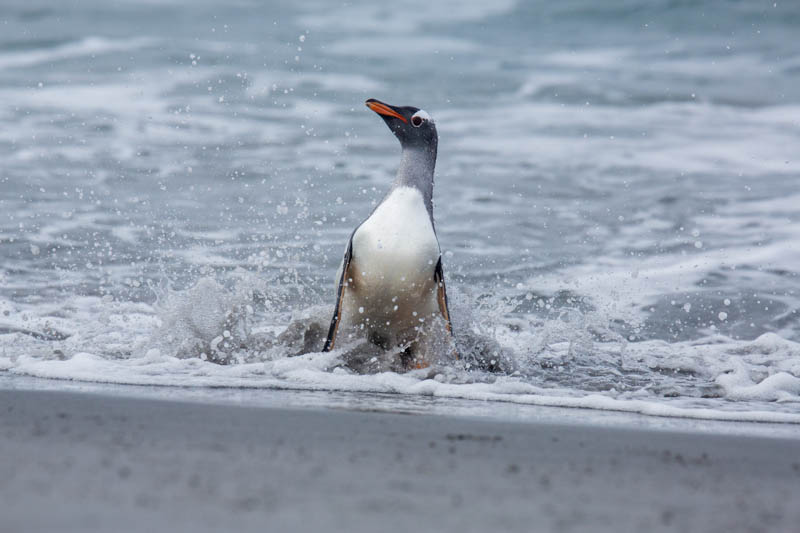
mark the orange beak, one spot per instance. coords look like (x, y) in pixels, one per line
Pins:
(383, 109)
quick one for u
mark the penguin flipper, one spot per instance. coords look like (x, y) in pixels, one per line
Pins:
(337, 312)
(438, 276)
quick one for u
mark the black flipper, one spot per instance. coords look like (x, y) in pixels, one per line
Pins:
(337, 313)
(438, 276)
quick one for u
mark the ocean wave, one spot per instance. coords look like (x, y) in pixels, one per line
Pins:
(87, 46)
(571, 361)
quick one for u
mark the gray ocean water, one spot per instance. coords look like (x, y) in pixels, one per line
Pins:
(616, 194)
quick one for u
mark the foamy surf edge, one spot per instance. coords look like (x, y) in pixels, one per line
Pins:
(319, 372)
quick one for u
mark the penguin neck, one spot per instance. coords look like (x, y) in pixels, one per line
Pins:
(416, 170)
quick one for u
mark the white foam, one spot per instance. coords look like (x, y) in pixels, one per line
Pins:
(318, 371)
(690, 136)
(137, 344)
(401, 46)
(360, 18)
(596, 57)
(87, 46)
(262, 84)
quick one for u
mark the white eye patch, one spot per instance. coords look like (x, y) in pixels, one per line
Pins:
(420, 117)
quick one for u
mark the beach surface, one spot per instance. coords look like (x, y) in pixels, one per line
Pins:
(87, 461)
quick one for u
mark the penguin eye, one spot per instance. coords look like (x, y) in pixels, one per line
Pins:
(419, 118)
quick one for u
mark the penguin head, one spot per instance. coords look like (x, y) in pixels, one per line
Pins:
(412, 126)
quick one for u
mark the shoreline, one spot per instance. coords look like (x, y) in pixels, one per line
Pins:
(100, 462)
(397, 402)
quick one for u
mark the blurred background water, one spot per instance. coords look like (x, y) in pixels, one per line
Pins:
(616, 191)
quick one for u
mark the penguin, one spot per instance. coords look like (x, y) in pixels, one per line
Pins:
(390, 286)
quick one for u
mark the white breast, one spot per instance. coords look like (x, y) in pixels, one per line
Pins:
(396, 246)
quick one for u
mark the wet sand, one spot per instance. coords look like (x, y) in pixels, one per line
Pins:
(90, 462)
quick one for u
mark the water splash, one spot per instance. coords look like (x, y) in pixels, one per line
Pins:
(230, 333)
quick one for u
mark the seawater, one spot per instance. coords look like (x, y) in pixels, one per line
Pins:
(616, 195)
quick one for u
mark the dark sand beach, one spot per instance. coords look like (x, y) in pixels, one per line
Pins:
(72, 461)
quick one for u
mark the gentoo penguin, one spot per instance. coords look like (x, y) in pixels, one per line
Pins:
(390, 287)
